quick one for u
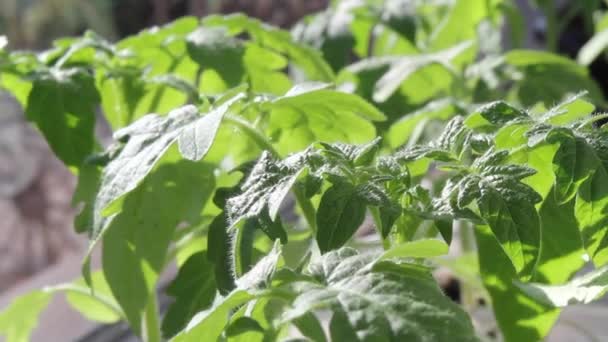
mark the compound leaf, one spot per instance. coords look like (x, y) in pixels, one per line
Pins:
(379, 301)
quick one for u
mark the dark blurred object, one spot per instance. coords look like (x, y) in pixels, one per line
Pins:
(575, 28)
(282, 13)
(573, 37)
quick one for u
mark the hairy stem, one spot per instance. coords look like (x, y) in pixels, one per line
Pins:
(241, 247)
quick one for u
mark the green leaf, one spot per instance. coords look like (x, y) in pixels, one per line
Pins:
(17, 85)
(196, 139)
(340, 213)
(495, 114)
(208, 45)
(569, 111)
(95, 303)
(260, 316)
(309, 113)
(310, 327)
(426, 248)
(519, 317)
(193, 289)
(548, 77)
(87, 49)
(388, 214)
(121, 92)
(209, 324)
(265, 70)
(325, 32)
(446, 147)
(273, 229)
(590, 210)
(574, 163)
(379, 301)
(242, 325)
(136, 240)
(21, 317)
(62, 104)
(515, 224)
(445, 228)
(562, 253)
(506, 204)
(147, 141)
(260, 275)
(403, 129)
(460, 23)
(265, 187)
(581, 290)
(401, 68)
(309, 94)
(89, 179)
(355, 155)
(126, 94)
(234, 62)
(177, 83)
(147, 42)
(306, 58)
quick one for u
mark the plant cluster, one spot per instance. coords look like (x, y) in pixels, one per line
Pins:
(267, 150)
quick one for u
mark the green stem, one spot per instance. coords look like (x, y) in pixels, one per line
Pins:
(467, 243)
(307, 208)
(252, 133)
(151, 321)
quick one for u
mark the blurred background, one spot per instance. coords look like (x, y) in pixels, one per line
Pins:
(37, 242)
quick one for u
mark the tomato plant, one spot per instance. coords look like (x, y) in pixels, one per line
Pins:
(251, 157)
